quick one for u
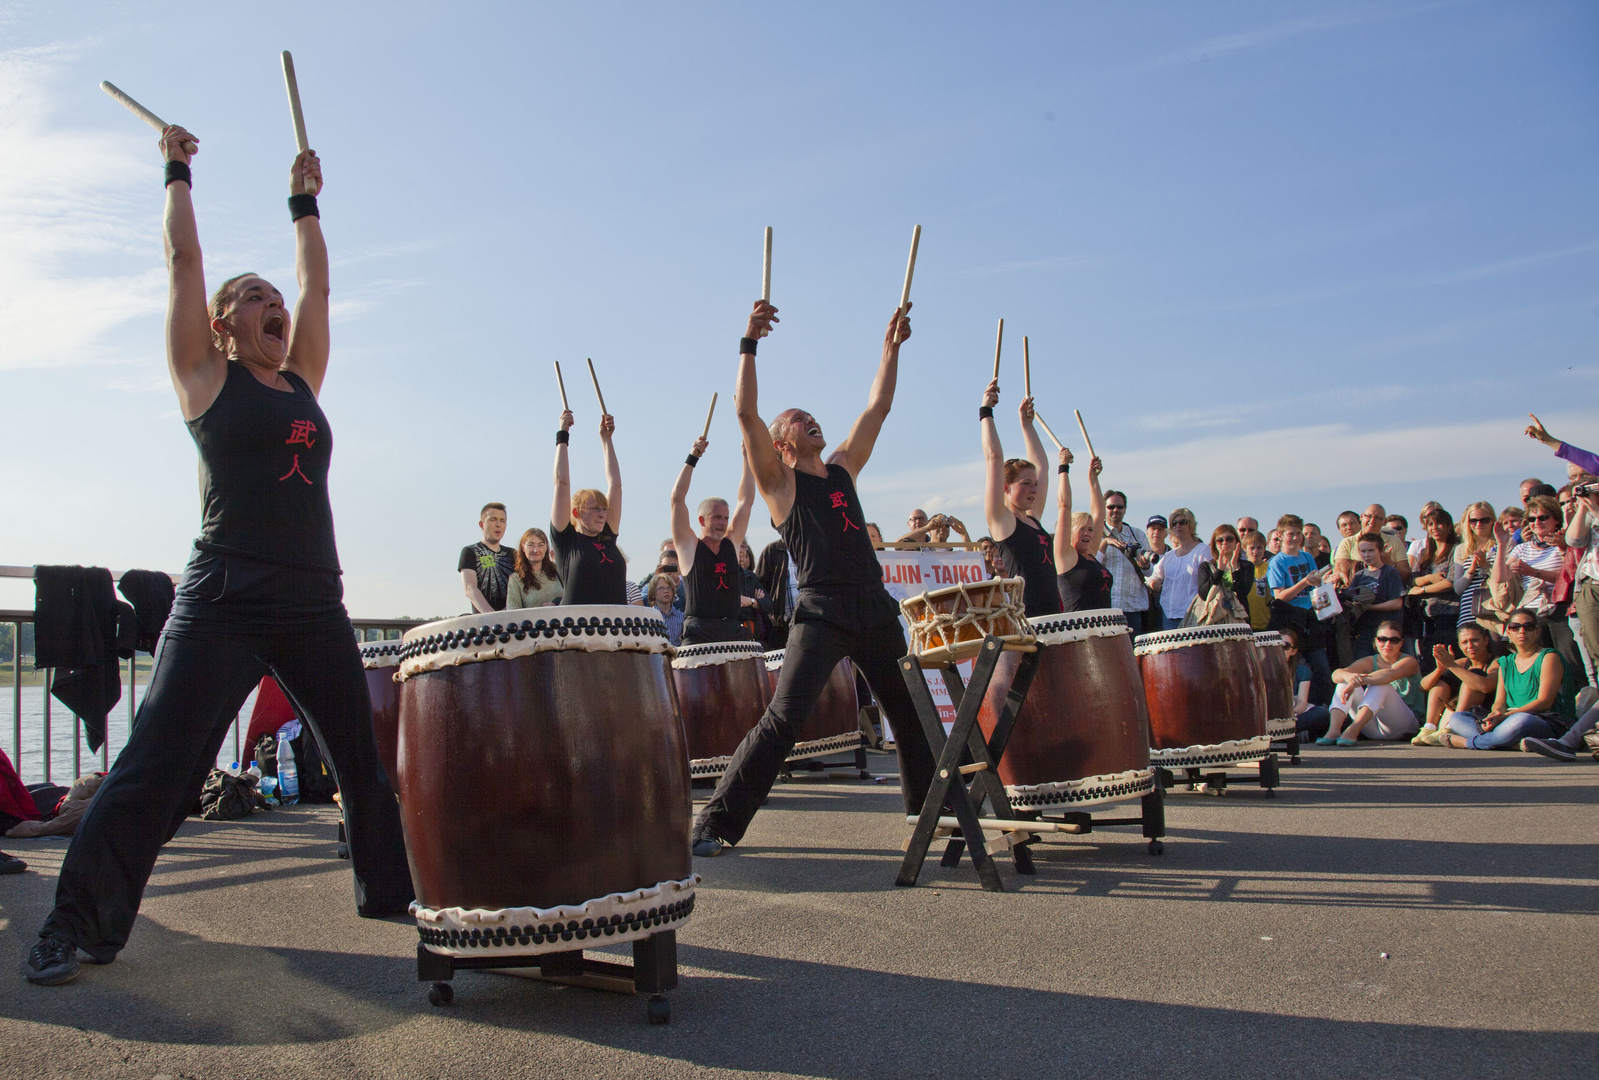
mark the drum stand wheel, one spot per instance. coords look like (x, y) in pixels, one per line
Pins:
(653, 971)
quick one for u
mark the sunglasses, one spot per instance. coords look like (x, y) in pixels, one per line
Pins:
(1389, 639)
(1225, 540)
(1518, 626)
(1479, 521)
(1113, 506)
(1540, 517)
(1181, 521)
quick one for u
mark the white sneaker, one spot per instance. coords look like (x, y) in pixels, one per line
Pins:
(1427, 736)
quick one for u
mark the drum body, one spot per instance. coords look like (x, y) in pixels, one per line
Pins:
(543, 780)
(1205, 694)
(834, 725)
(949, 623)
(1279, 679)
(1082, 736)
(382, 662)
(721, 693)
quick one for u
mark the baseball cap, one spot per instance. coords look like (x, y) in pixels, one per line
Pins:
(1156, 519)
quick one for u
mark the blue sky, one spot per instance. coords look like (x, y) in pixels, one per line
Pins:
(1284, 257)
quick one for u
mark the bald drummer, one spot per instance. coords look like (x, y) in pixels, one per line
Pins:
(708, 560)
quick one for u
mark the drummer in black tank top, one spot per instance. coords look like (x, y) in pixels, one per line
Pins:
(1084, 582)
(584, 524)
(708, 559)
(842, 608)
(261, 595)
(1011, 501)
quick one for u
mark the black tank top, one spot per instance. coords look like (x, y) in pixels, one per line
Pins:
(1029, 553)
(591, 568)
(1086, 586)
(826, 533)
(264, 457)
(710, 589)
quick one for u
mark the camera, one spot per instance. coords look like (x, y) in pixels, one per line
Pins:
(1582, 490)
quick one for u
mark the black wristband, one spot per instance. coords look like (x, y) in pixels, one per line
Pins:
(303, 206)
(746, 345)
(985, 412)
(179, 170)
(562, 437)
(692, 460)
(1063, 469)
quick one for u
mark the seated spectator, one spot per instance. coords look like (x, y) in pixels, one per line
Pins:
(1227, 568)
(533, 582)
(1460, 680)
(1156, 530)
(1433, 575)
(1176, 576)
(1529, 701)
(1386, 589)
(1260, 595)
(1474, 559)
(1378, 695)
(1310, 721)
(486, 566)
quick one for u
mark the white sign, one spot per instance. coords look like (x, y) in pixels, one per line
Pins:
(911, 573)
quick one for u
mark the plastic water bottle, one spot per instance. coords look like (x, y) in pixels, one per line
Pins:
(255, 771)
(288, 776)
(232, 769)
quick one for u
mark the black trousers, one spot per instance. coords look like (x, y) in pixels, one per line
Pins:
(814, 648)
(204, 668)
(698, 631)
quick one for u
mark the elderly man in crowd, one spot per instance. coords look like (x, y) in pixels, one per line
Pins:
(1125, 552)
(1346, 561)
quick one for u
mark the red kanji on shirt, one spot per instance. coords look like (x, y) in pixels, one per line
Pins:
(604, 558)
(721, 568)
(839, 503)
(301, 431)
(295, 471)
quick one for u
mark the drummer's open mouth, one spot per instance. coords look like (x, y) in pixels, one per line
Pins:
(814, 432)
(273, 327)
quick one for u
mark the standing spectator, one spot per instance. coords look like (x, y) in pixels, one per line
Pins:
(1474, 558)
(757, 619)
(780, 580)
(1535, 562)
(1510, 518)
(533, 582)
(1260, 595)
(1386, 587)
(1415, 546)
(1317, 546)
(1380, 694)
(1434, 581)
(990, 553)
(1458, 681)
(1346, 561)
(1529, 702)
(1274, 542)
(1581, 534)
(1125, 553)
(918, 528)
(1584, 460)
(1227, 568)
(1176, 576)
(1246, 526)
(1156, 529)
(486, 566)
(874, 534)
(662, 596)
(1397, 526)
(1293, 575)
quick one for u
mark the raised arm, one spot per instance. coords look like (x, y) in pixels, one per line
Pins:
(1065, 550)
(309, 340)
(1096, 501)
(1001, 522)
(1033, 446)
(561, 501)
(856, 448)
(740, 524)
(198, 368)
(684, 538)
(613, 474)
(775, 480)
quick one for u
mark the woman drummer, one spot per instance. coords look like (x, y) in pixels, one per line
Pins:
(1010, 493)
(584, 524)
(261, 594)
(1084, 583)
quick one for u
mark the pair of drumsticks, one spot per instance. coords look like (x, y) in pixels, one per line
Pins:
(1027, 378)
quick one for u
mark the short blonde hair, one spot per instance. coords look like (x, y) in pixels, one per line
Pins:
(589, 493)
(1080, 519)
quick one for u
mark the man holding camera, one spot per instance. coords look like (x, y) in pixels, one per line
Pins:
(1125, 553)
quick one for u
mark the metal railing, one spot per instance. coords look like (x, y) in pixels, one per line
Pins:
(17, 618)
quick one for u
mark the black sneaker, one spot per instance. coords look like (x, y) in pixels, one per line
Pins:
(1549, 748)
(53, 961)
(708, 846)
(10, 864)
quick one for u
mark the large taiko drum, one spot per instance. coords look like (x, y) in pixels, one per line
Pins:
(721, 693)
(543, 780)
(1082, 736)
(381, 660)
(948, 624)
(835, 723)
(1205, 695)
(1274, 669)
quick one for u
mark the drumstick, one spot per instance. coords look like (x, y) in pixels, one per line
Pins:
(294, 101)
(999, 339)
(562, 384)
(596, 379)
(1089, 442)
(1027, 369)
(766, 269)
(910, 272)
(707, 432)
(140, 111)
(1058, 444)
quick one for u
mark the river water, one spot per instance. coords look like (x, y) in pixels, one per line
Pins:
(30, 762)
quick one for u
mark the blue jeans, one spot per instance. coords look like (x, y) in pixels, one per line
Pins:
(1169, 623)
(1511, 730)
(1313, 722)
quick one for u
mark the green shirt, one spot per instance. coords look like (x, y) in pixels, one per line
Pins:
(517, 596)
(1521, 687)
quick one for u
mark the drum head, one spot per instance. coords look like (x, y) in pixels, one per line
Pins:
(502, 635)
(716, 652)
(1165, 640)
